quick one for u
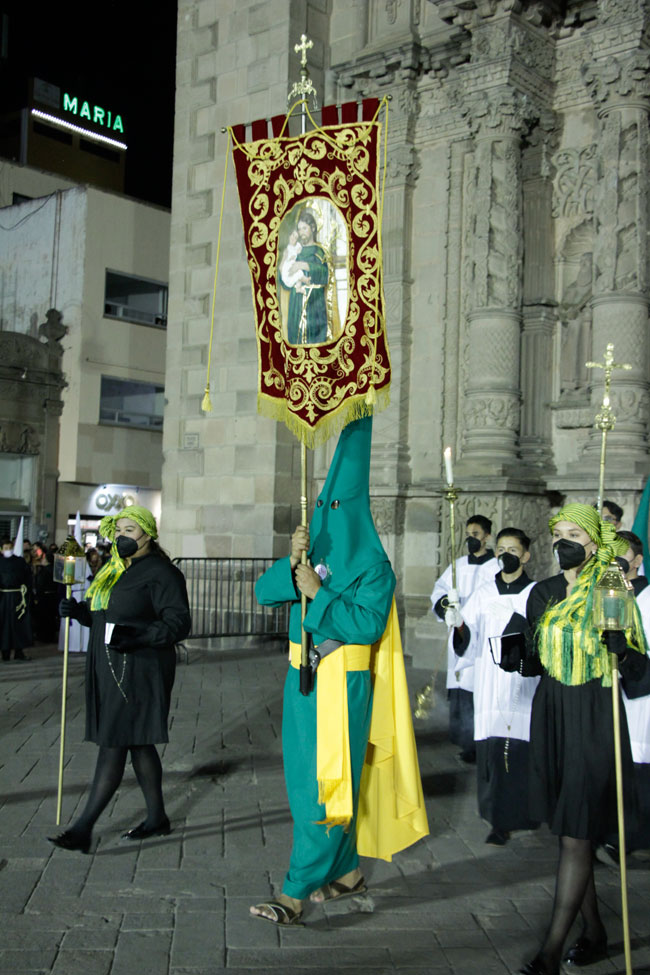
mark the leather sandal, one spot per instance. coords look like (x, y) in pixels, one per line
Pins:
(283, 915)
(335, 890)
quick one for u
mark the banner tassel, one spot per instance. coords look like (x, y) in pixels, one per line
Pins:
(206, 402)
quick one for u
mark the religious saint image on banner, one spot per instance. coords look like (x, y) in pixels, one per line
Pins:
(312, 272)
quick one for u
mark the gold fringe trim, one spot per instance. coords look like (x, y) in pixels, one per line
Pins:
(354, 408)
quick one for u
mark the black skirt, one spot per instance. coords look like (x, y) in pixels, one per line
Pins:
(572, 783)
(502, 790)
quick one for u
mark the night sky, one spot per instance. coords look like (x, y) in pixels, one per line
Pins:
(119, 54)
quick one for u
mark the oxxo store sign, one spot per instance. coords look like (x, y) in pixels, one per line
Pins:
(110, 499)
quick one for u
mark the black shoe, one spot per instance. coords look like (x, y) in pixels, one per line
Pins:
(142, 832)
(536, 967)
(586, 952)
(19, 655)
(468, 756)
(497, 838)
(609, 854)
(71, 841)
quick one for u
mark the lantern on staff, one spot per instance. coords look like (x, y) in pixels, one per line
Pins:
(70, 564)
(613, 607)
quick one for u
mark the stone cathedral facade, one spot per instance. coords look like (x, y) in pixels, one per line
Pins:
(515, 235)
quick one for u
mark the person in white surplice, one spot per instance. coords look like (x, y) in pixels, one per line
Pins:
(502, 700)
(472, 570)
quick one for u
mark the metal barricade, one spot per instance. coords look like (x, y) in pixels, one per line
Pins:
(222, 598)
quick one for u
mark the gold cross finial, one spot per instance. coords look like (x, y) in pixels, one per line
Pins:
(303, 87)
(302, 48)
(605, 420)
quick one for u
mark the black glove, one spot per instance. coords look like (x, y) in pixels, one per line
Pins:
(69, 607)
(615, 642)
(123, 638)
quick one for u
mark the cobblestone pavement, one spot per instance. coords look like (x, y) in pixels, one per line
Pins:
(178, 905)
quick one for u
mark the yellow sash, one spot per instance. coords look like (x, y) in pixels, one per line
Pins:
(391, 805)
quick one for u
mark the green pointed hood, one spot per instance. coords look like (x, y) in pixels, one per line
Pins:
(344, 540)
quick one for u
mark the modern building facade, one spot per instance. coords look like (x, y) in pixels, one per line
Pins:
(88, 268)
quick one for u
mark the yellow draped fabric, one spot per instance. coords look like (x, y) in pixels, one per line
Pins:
(391, 812)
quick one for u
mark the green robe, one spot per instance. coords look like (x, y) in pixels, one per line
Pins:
(358, 614)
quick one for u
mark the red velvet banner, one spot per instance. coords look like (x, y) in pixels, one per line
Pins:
(310, 207)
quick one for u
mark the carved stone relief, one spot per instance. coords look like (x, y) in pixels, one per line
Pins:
(575, 181)
(614, 78)
(493, 411)
(403, 164)
(18, 438)
(620, 11)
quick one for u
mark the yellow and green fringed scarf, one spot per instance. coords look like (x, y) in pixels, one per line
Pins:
(570, 647)
(99, 590)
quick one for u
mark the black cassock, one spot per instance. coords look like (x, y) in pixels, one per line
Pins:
(572, 784)
(15, 631)
(128, 694)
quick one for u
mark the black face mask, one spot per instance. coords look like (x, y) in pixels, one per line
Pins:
(509, 563)
(473, 544)
(569, 554)
(126, 547)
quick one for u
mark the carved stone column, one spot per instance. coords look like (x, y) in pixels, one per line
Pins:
(394, 71)
(494, 279)
(619, 86)
(535, 441)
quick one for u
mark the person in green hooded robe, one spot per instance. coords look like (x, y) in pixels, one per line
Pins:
(137, 610)
(350, 591)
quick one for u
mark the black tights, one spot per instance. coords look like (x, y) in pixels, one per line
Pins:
(108, 775)
(574, 891)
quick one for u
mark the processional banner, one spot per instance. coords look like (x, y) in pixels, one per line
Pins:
(311, 210)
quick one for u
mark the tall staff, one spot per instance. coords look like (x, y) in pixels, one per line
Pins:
(424, 697)
(69, 568)
(605, 421)
(302, 89)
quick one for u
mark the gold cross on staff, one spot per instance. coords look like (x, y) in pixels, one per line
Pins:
(302, 49)
(303, 87)
(605, 420)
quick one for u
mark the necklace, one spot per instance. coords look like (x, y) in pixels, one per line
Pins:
(112, 670)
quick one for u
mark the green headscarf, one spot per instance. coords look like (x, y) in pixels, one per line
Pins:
(99, 591)
(571, 649)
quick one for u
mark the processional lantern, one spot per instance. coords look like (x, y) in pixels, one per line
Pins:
(613, 606)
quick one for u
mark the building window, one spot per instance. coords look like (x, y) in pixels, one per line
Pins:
(135, 300)
(128, 403)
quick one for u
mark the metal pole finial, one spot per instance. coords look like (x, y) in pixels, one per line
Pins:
(305, 86)
(605, 419)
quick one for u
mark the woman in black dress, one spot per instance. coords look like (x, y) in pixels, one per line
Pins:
(572, 776)
(137, 609)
